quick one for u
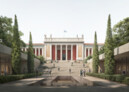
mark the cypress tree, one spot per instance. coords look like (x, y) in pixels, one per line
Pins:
(16, 51)
(109, 50)
(30, 60)
(95, 55)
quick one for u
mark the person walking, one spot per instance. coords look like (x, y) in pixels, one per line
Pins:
(58, 68)
(70, 70)
(50, 71)
(72, 64)
(81, 72)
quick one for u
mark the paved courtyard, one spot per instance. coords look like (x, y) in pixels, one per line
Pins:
(22, 85)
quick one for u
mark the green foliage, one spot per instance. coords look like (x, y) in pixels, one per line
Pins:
(8, 78)
(101, 50)
(116, 77)
(42, 60)
(121, 32)
(6, 30)
(126, 80)
(109, 62)
(30, 58)
(88, 58)
(16, 51)
(95, 55)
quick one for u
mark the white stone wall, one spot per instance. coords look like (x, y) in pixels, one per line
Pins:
(36, 63)
(89, 65)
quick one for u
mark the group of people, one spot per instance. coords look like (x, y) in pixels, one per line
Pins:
(83, 72)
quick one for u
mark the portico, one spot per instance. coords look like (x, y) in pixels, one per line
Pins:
(64, 49)
(63, 52)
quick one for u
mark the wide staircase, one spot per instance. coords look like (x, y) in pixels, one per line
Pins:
(63, 68)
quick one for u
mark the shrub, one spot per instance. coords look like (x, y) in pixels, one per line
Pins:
(126, 80)
(119, 78)
(8, 78)
(88, 58)
(116, 77)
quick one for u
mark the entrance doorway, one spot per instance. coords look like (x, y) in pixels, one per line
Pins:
(63, 55)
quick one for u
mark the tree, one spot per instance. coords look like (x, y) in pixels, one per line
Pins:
(95, 55)
(16, 51)
(121, 32)
(101, 51)
(6, 31)
(109, 50)
(41, 58)
(30, 59)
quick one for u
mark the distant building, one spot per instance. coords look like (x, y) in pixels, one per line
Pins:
(63, 49)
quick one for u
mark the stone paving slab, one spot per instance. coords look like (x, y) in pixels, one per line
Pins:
(23, 82)
(105, 83)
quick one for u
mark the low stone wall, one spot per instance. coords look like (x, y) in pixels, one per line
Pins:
(24, 66)
(89, 65)
(5, 60)
(121, 60)
(36, 63)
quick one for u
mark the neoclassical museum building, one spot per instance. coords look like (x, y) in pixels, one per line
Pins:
(63, 49)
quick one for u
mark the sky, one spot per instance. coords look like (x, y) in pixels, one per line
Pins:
(77, 17)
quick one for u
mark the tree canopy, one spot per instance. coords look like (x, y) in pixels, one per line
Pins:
(121, 32)
(6, 32)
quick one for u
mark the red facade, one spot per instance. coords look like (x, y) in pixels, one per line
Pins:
(53, 52)
(69, 55)
(64, 53)
(58, 54)
(37, 52)
(34, 51)
(86, 52)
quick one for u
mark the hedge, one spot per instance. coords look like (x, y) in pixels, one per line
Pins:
(116, 77)
(126, 80)
(8, 78)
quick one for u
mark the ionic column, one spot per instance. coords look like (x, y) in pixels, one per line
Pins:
(91, 51)
(60, 52)
(71, 52)
(66, 52)
(39, 51)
